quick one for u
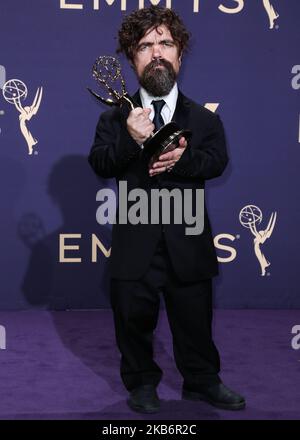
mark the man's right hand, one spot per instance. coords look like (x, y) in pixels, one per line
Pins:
(139, 125)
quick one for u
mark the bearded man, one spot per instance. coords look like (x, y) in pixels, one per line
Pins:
(148, 259)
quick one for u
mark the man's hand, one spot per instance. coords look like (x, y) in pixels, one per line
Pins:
(166, 161)
(139, 125)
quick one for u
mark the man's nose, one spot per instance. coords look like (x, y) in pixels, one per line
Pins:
(156, 53)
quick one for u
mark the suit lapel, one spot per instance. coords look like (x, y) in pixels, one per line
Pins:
(182, 111)
(137, 99)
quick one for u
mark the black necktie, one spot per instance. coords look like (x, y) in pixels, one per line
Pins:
(158, 120)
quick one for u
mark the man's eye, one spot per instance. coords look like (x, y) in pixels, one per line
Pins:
(168, 43)
(143, 47)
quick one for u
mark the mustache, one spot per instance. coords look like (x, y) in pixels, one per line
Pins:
(158, 62)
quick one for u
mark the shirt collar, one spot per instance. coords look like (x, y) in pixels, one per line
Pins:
(170, 99)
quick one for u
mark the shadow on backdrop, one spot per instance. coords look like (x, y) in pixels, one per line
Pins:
(49, 283)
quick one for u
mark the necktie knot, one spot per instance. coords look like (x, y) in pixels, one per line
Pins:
(158, 120)
(158, 105)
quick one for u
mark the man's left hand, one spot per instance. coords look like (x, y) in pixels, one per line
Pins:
(166, 161)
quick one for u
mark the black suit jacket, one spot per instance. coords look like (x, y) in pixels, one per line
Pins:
(115, 154)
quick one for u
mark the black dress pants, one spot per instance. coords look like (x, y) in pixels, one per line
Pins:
(135, 305)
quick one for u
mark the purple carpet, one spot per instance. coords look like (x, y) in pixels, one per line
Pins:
(65, 365)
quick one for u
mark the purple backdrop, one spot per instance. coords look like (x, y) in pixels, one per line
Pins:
(235, 61)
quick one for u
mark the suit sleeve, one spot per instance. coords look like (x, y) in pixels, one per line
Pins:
(207, 160)
(113, 148)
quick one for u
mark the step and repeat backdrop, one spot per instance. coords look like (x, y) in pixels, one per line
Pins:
(243, 63)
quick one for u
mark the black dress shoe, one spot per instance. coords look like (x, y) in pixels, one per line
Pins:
(144, 399)
(217, 395)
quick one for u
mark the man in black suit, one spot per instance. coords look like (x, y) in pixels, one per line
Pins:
(154, 257)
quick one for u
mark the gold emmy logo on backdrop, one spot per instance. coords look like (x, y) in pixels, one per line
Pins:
(14, 91)
(249, 217)
(272, 14)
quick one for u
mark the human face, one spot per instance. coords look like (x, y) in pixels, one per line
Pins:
(156, 44)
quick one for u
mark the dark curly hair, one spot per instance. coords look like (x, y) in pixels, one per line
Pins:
(135, 26)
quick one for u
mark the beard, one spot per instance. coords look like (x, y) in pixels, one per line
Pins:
(157, 81)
